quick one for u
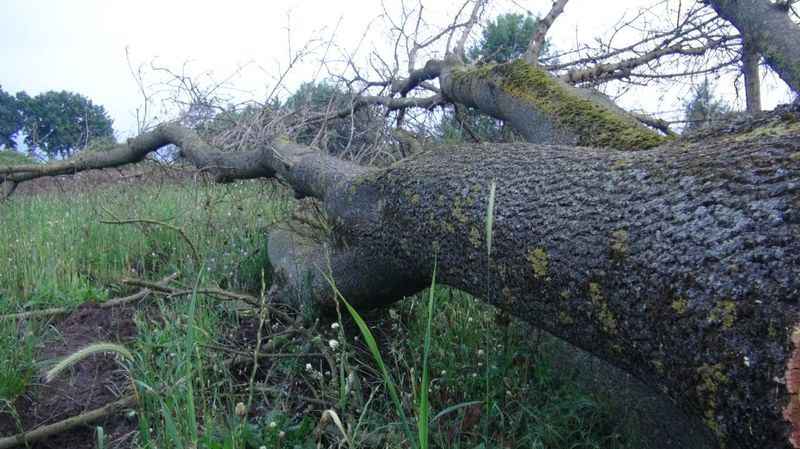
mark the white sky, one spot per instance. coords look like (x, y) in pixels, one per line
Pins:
(80, 45)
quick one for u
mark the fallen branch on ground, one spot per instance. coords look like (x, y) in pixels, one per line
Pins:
(115, 302)
(40, 433)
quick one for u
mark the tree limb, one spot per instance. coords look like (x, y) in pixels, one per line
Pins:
(542, 27)
(770, 31)
(43, 432)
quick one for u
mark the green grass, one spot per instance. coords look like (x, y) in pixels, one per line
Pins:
(17, 348)
(55, 251)
(458, 371)
(11, 157)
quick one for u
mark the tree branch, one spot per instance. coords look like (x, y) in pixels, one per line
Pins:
(542, 27)
(306, 169)
(40, 433)
(458, 50)
(770, 31)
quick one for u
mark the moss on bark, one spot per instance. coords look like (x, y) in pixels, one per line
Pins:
(593, 123)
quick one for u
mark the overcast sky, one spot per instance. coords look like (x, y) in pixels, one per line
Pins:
(81, 45)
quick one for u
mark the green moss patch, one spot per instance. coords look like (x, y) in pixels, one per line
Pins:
(594, 124)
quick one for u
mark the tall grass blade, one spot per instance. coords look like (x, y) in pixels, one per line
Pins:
(376, 354)
(423, 423)
(490, 218)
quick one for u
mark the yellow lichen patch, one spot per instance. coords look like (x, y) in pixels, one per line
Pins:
(595, 293)
(680, 306)
(620, 164)
(458, 213)
(711, 378)
(607, 318)
(539, 263)
(725, 313)
(564, 318)
(771, 331)
(619, 243)
(593, 123)
(475, 237)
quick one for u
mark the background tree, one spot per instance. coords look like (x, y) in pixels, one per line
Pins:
(61, 123)
(704, 107)
(10, 119)
(503, 39)
(506, 38)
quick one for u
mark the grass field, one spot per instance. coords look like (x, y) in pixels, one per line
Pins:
(215, 374)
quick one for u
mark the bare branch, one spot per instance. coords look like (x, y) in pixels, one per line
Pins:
(542, 27)
(657, 123)
(623, 68)
(306, 169)
(458, 50)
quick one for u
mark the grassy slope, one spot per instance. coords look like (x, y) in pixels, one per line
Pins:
(55, 252)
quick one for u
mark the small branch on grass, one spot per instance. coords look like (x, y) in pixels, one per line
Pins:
(657, 123)
(263, 316)
(115, 302)
(43, 432)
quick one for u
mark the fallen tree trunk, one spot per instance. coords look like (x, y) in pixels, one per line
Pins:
(679, 264)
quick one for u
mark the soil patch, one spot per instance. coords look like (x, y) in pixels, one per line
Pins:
(92, 383)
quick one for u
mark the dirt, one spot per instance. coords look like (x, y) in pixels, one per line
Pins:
(90, 384)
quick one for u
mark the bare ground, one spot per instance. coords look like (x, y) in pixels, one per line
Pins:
(90, 384)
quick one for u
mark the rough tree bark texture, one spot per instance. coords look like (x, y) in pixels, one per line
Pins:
(679, 264)
(768, 28)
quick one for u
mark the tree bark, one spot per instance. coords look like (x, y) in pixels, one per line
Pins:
(768, 28)
(680, 264)
(543, 108)
(752, 82)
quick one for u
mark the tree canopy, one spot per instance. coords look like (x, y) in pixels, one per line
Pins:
(10, 120)
(506, 38)
(703, 108)
(61, 123)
